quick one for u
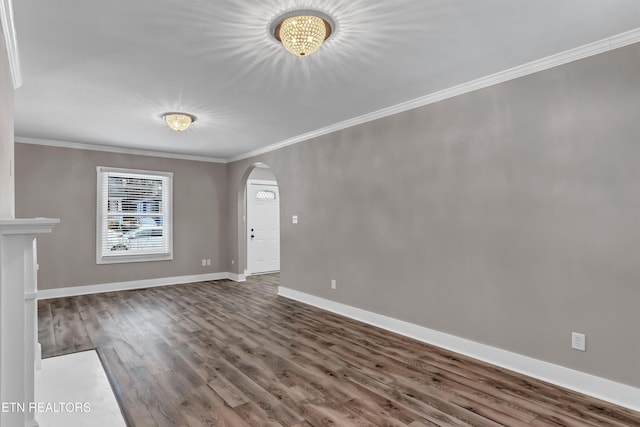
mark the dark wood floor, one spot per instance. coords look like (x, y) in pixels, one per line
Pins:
(234, 354)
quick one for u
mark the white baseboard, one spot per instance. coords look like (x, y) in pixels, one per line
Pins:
(236, 277)
(134, 284)
(601, 388)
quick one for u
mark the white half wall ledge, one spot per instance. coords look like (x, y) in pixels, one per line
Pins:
(28, 225)
(18, 314)
(600, 388)
(135, 284)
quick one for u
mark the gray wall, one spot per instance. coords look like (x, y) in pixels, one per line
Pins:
(262, 173)
(509, 216)
(6, 135)
(61, 183)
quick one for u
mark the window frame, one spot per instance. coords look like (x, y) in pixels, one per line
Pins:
(102, 173)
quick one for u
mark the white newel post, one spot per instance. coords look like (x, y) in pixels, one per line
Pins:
(18, 318)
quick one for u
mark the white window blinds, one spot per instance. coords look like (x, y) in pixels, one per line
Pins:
(134, 215)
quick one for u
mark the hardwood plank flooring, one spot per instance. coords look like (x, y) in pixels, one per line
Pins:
(222, 353)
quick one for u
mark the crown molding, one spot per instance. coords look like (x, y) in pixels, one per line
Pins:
(120, 150)
(11, 42)
(581, 52)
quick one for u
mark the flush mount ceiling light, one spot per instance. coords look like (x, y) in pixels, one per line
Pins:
(178, 121)
(302, 32)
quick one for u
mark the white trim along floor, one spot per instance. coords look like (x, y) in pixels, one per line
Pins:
(601, 388)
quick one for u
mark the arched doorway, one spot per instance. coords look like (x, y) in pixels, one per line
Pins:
(262, 221)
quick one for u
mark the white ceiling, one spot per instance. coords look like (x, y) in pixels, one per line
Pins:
(103, 72)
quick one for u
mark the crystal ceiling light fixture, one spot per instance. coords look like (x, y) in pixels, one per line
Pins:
(178, 121)
(302, 32)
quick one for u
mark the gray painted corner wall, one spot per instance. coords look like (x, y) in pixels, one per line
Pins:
(7, 179)
(508, 216)
(61, 183)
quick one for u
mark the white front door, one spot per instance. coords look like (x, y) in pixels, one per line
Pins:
(263, 227)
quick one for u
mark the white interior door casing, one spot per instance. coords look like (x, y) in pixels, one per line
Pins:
(263, 227)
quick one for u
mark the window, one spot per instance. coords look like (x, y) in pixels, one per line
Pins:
(134, 216)
(265, 195)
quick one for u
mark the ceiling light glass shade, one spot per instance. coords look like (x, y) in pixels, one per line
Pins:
(178, 121)
(303, 34)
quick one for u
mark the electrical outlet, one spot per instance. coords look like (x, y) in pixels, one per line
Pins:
(204, 262)
(578, 341)
(208, 261)
(333, 284)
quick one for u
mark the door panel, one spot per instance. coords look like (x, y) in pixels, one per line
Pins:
(263, 228)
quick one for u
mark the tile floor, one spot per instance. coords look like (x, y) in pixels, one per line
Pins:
(73, 391)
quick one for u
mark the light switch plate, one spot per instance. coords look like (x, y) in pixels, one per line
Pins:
(294, 219)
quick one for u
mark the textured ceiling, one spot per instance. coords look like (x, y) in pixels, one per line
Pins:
(104, 72)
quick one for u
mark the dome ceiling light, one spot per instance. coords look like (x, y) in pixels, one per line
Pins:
(302, 32)
(178, 121)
